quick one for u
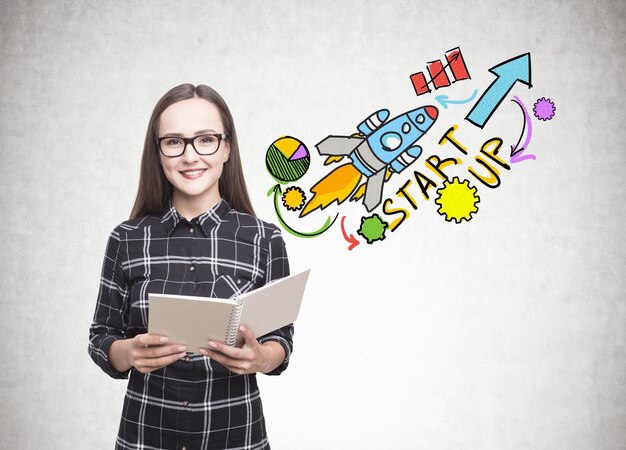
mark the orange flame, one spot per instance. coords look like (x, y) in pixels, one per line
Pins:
(336, 186)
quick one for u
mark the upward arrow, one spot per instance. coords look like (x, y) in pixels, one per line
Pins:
(508, 73)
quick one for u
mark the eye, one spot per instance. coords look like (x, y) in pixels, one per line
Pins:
(172, 141)
(391, 141)
(207, 139)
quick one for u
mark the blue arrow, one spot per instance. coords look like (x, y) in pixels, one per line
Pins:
(445, 101)
(508, 73)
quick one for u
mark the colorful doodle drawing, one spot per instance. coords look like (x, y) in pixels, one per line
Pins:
(373, 228)
(544, 109)
(507, 74)
(517, 152)
(277, 193)
(457, 201)
(350, 239)
(287, 159)
(444, 101)
(437, 72)
(294, 198)
(383, 143)
(363, 162)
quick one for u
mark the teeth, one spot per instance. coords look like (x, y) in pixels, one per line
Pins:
(193, 172)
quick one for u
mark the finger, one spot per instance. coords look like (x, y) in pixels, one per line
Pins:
(163, 350)
(143, 354)
(247, 334)
(156, 363)
(234, 365)
(222, 358)
(232, 352)
(151, 339)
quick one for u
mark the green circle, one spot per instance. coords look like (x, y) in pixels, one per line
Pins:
(287, 159)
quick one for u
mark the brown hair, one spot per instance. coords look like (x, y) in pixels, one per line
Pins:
(155, 190)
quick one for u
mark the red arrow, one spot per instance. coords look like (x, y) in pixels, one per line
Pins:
(351, 239)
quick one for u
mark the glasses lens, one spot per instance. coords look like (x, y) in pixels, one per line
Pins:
(172, 146)
(206, 144)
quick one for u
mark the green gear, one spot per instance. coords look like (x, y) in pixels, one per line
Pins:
(373, 228)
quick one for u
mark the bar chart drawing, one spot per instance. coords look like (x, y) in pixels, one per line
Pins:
(438, 74)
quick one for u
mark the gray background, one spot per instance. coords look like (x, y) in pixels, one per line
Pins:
(504, 332)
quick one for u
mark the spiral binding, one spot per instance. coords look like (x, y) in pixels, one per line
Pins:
(233, 325)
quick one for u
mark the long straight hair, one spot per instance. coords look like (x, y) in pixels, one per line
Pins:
(154, 188)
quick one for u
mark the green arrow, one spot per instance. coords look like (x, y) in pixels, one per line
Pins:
(276, 190)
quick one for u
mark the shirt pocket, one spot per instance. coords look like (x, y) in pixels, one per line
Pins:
(227, 286)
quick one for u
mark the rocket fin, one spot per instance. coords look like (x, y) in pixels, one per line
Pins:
(360, 192)
(374, 190)
(338, 145)
(405, 159)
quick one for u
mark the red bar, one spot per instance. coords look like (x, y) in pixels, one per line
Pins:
(438, 74)
(457, 64)
(419, 83)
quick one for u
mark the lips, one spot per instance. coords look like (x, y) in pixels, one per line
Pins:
(192, 174)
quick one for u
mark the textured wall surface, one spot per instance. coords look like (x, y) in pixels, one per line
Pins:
(508, 332)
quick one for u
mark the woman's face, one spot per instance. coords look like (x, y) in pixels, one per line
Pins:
(194, 177)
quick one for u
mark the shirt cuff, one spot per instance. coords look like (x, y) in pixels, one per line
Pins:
(285, 345)
(100, 355)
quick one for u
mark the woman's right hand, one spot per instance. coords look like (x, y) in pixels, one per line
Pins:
(145, 352)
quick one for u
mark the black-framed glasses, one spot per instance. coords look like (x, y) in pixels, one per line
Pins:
(205, 144)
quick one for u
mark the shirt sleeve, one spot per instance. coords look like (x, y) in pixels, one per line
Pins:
(278, 267)
(109, 320)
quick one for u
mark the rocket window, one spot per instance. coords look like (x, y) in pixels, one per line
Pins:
(406, 127)
(419, 118)
(391, 140)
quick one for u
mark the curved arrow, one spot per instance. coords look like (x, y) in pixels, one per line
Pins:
(508, 73)
(517, 153)
(277, 191)
(351, 239)
(443, 100)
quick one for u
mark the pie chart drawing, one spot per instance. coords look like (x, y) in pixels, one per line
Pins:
(287, 159)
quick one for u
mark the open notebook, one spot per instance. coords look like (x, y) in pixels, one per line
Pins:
(193, 321)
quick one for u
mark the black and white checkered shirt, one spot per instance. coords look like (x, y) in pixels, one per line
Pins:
(194, 403)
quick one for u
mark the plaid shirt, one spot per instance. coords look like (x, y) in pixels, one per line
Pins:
(194, 403)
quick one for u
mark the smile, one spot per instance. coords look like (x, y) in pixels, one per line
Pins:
(192, 174)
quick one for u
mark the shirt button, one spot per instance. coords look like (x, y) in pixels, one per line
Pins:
(238, 280)
(191, 230)
(185, 403)
(192, 268)
(187, 359)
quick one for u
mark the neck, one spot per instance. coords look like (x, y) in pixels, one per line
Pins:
(192, 206)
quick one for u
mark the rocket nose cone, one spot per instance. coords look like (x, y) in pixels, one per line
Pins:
(432, 112)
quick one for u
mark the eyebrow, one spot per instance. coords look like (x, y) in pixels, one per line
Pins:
(197, 133)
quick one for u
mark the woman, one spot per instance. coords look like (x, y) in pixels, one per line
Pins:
(192, 231)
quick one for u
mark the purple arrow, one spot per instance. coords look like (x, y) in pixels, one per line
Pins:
(517, 154)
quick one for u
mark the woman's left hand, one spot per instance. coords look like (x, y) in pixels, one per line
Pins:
(251, 358)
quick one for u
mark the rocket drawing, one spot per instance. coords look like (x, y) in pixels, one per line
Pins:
(381, 144)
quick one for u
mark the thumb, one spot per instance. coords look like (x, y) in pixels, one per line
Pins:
(247, 334)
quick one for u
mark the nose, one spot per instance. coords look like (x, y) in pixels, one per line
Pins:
(432, 112)
(189, 154)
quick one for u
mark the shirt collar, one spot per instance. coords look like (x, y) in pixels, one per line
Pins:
(207, 220)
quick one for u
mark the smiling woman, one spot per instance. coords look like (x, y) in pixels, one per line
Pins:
(193, 170)
(192, 224)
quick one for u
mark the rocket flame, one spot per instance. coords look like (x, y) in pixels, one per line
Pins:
(333, 159)
(336, 186)
(360, 192)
